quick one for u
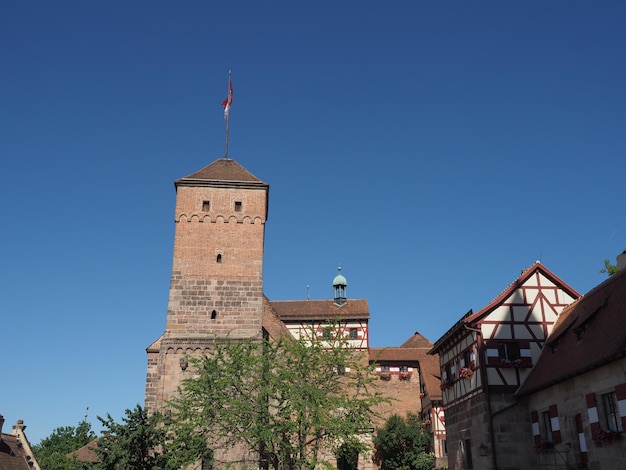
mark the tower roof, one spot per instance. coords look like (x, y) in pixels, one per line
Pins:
(340, 280)
(222, 170)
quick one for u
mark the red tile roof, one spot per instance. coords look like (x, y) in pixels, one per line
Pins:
(12, 454)
(294, 310)
(589, 332)
(86, 453)
(222, 169)
(271, 323)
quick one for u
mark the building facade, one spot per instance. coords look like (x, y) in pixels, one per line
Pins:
(216, 292)
(484, 358)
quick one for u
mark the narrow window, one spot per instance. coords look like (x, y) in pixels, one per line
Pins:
(467, 358)
(341, 369)
(468, 454)
(611, 412)
(547, 427)
(206, 206)
(354, 333)
(219, 258)
(213, 315)
(237, 206)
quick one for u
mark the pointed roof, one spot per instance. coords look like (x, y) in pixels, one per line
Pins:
(471, 318)
(274, 327)
(589, 333)
(222, 172)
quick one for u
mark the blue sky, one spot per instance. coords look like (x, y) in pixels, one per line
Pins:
(433, 148)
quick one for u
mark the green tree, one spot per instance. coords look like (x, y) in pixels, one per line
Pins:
(53, 452)
(609, 269)
(288, 399)
(138, 443)
(402, 444)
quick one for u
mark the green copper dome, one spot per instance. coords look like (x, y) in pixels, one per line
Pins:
(339, 279)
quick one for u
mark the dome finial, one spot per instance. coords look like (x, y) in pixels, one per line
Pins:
(339, 284)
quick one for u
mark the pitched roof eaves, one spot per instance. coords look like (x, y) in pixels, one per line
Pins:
(526, 274)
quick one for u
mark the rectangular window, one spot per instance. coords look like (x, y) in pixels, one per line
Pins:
(468, 454)
(547, 426)
(508, 351)
(354, 333)
(206, 206)
(327, 333)
(467, 358)
(341, 369)
(611, 412)
(237, 206)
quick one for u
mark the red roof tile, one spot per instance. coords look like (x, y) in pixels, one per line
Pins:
(12, 454)
(294, 310)
(588, 333)
(222, 169)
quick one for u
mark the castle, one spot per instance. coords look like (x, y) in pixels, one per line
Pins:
(216, 290)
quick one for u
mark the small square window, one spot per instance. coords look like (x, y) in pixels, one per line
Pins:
(508, 351)
(206, 206)
(354, 333)
(237, 206)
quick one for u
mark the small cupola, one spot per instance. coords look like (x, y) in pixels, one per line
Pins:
(339, 285)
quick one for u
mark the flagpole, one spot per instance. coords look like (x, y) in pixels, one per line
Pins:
(227, 112)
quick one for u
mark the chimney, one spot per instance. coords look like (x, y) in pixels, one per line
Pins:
(621, 261)
(1, 423)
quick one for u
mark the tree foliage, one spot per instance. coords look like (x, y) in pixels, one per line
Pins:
(53, 452)
(138, 443)
(609, 269)
(289, 399)
(402, 444)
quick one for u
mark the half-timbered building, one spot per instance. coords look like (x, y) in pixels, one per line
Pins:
(575, 396)
(485, 357)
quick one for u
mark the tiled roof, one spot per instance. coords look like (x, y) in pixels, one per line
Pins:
(271, 323)
(589, 332)
(396, 355)
(87, 452)
(293, 310)
(417, 341)
(12, 455)
(222, 169)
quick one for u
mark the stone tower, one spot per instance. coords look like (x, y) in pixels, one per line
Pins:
(216, 289)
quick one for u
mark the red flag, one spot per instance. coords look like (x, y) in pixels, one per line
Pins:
(228, 101)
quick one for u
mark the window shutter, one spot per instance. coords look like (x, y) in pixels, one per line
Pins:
(584, 458)
(592, 413)
(534, 422)
(493, 358)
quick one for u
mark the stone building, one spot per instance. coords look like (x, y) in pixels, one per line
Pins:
(484, 358)
(216, 289)
(575, 396)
